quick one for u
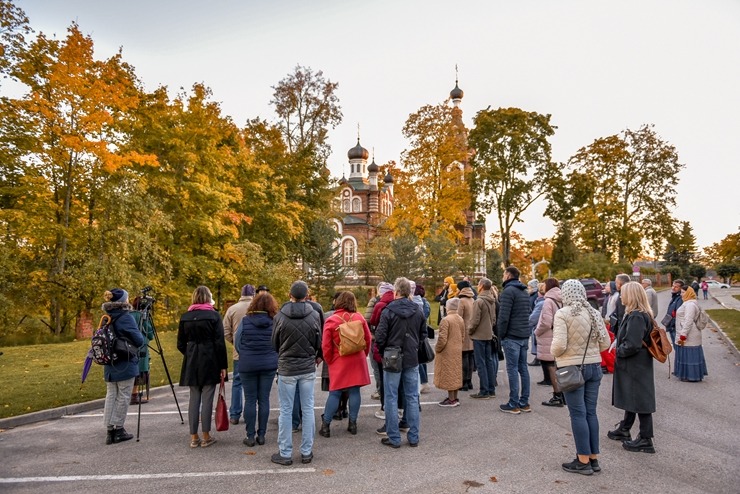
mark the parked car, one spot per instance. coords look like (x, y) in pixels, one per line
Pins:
(717, 284)
(594, 292)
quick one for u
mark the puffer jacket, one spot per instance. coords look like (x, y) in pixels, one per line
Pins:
(465, 310)
(543, 331)
(513, 315)
(125, 326)
(686, 317)
(480, 326)
(296, 336)
(570, 337)
(254, 343)
(403, 325)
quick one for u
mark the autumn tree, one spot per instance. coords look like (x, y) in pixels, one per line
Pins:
(619, 192)
(440, 256)
(431, 188)
(70, 127)
(511, 165)
(564, 251)
(13, 30)
(392, 256)
(726, 250)
(681, 248)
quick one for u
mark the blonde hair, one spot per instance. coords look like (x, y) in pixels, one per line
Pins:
(634, 298)
(202, 295)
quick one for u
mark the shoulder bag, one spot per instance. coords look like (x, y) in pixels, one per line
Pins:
(222, 414)
(570, 377)
(393, 359)
(426, 352)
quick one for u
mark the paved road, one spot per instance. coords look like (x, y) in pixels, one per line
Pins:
(462, 449)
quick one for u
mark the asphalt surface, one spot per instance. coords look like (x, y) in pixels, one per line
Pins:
(472, 448)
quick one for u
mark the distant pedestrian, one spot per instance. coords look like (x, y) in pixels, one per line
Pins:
(690, 364)
(705, 289)
(200, 339)
(633, 389)
(120, 376)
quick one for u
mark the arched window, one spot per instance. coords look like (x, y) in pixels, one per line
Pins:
(356, 205)
(346, 206)
(348, 252)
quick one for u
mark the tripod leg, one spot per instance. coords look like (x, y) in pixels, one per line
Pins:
(138, 419)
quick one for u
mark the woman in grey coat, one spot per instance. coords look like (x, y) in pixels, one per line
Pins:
(633, 389)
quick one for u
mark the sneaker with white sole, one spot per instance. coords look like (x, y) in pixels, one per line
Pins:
(375, 396)
(380, 414)
(447, 403)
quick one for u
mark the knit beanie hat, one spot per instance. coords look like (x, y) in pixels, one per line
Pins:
(384, 288)
(119, 295)
(463, 284)
(247, 291)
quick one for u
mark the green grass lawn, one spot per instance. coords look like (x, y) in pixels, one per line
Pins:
(729, 321)
(39, 377)
(737, 297)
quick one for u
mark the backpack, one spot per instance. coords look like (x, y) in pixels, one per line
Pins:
(103, 346)
(658, 344)
(351, 336)
(702, 320)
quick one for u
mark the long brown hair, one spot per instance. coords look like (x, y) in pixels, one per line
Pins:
(346, 301)
(263, 302)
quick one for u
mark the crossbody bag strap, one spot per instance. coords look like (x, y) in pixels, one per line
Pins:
(587, 343)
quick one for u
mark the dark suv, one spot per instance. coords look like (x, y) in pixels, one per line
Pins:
(594, 292)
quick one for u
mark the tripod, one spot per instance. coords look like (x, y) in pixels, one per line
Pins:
(144, 308)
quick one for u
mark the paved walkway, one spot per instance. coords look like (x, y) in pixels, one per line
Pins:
(725, 298)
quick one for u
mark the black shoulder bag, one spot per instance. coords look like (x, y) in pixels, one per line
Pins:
(570, 377)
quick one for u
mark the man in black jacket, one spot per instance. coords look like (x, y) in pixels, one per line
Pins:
(297, 339)
(402, 325)
(513, 328)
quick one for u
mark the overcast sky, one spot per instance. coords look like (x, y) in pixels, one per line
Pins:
(597, 67)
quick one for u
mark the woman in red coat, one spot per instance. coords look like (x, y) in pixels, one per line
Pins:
(346, 372)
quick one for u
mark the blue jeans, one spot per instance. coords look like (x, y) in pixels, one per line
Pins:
(391, 382)
(515, 352)
(257, 386)
(235, 411)
(484, 363)
(296, 419)
(286, 393)
(582, 408)
(423, 373)
(332, 403)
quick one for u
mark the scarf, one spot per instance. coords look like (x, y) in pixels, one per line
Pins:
(200, 307)
(689, 294)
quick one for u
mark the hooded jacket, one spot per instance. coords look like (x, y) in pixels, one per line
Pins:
(254, 343)
(125, 326)
(296, 336)
(480, 326)
(553, 302)
(513, 316)
(403, 325)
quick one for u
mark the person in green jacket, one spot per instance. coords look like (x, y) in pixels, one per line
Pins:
(147, 330)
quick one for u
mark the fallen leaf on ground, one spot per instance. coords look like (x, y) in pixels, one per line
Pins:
(328, 471)
(250, 453)
(493, 479)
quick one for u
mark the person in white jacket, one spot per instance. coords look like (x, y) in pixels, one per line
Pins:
(579, 336)
(690, 364)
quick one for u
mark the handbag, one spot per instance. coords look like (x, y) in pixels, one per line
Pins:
(570, 377)
(666, 320)
(123, 350)
(393, 359)
(430, 332)
(222, 414)
(426, 352)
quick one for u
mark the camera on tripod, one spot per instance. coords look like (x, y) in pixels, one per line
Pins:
(146, 301)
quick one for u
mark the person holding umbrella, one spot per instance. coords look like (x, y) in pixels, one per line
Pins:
(120, 376)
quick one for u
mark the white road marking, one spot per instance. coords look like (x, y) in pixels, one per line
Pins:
(77, 478)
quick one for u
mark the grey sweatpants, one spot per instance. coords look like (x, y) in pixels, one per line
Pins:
(201, 404)
(117, 399)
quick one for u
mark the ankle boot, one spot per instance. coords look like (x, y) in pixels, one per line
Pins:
(555, 401)
(120, 435)
(639, 445)
(621, 433)
(324, 431)
(109, 437)
(352, 427)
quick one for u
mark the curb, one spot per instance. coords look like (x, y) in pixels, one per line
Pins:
(72, 409)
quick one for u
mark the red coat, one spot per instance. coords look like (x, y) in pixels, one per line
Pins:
(349, 370)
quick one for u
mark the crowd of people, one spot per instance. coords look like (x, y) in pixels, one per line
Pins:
(477, 327)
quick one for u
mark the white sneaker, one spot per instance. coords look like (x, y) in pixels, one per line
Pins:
(380, 414)
(375, 396)
(425, 388)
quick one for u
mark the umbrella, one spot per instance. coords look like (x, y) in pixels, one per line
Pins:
(86, 367)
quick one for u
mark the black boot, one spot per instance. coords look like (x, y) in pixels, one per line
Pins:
(324, 431)
(109, 437)
(639, 445)
(555, 401)
(352, 427)
(120, 435)
(621, 433)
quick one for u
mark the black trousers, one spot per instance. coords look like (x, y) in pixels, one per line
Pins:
(468, 361)
(646, 423)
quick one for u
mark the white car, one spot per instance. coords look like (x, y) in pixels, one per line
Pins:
(717, 284)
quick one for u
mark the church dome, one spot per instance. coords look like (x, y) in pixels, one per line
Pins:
(342, 180)
(358, 152)
(388, 178)
(373, 168)
(456, 93)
